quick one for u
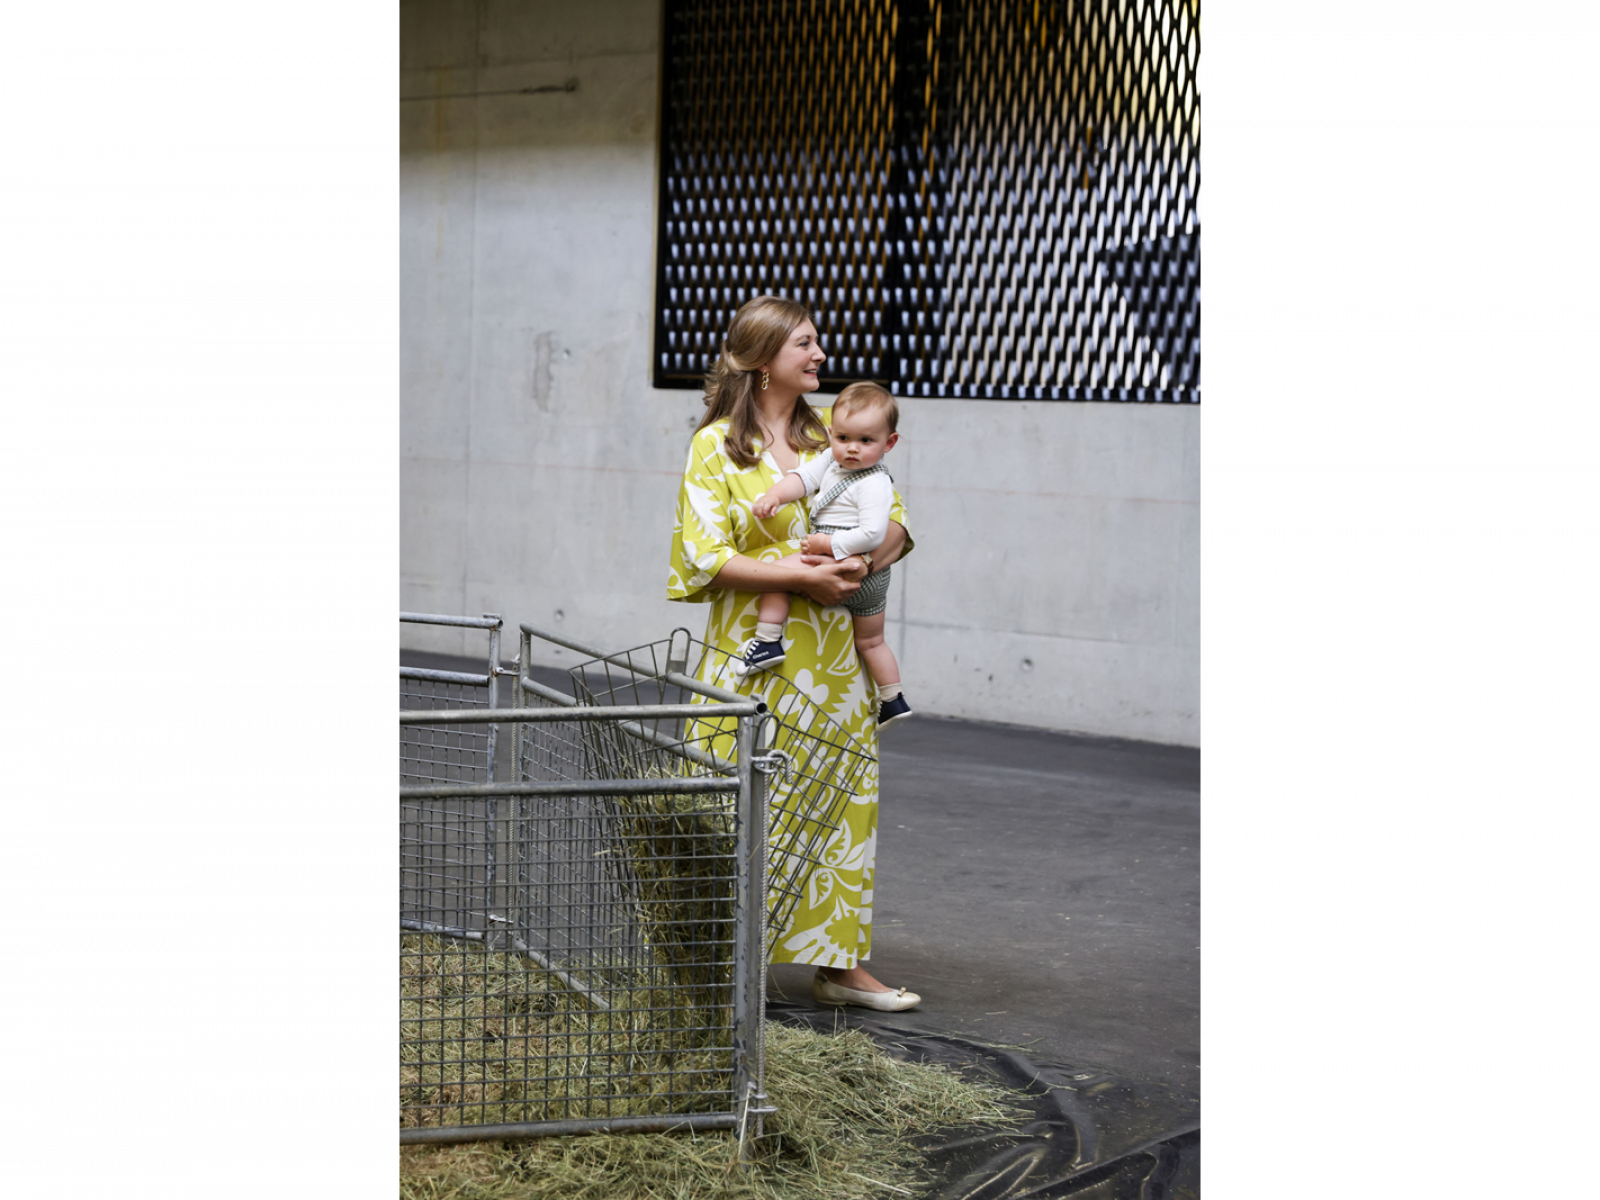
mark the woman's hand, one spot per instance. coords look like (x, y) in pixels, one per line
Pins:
(828, 582)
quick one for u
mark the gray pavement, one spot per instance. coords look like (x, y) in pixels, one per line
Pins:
(1040, 890)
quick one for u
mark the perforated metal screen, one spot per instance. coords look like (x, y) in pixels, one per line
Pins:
(986, 198)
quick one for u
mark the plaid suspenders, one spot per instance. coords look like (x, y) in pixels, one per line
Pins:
(840, 487)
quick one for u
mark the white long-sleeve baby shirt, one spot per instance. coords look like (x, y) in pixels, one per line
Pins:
(861, 510)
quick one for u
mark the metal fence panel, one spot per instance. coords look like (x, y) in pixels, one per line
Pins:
(605, 981)
(583, 944)
(446, 754)
(815, 767)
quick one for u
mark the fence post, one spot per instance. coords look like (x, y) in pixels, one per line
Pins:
(491, 831)
(750, 958)
(519, 699)
(745, 1015)
(757, 909)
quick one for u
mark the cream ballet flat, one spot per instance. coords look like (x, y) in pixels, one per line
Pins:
(824, 992)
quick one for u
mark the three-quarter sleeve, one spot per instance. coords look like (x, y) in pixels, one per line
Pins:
(703, 538)
(897, 514)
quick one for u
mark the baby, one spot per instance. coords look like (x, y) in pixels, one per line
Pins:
(850, 515)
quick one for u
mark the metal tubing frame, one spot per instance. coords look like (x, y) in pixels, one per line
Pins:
(519, 701)
(677, 678)
(745, 707)
(701, 758)
(489, 1133)
(574, 787)
(750, 949)
(746, 1013)
(493, 623)
(756, 869)
(487, 621)
(428, 673)
(491, 836)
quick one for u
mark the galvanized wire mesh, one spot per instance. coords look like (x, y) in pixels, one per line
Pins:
(582, 945)
(449, 753)
(601, 985)
(443, 753)
(818, 767)
(575, 952)
(448, 865)
(577, 882)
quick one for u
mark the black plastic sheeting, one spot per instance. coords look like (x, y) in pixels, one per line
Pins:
(1092, 1135)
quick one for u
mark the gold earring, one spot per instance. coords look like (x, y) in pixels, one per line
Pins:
(764, 379)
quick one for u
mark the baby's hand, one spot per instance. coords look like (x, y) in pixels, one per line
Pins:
(818, 543)
(765, 505)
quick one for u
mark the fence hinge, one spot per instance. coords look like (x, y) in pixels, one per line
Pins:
(773, 762)
(497, 938)
(761, 1109)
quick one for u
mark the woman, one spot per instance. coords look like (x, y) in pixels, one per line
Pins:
(756, 427)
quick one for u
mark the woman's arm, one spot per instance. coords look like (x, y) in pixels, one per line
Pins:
(894, 544)
(827, 583)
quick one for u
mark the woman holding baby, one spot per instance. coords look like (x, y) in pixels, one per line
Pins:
(749, 568)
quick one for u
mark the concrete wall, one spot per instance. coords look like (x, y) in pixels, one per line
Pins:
(1056, 577)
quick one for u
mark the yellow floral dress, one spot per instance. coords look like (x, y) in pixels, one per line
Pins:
(832, 924)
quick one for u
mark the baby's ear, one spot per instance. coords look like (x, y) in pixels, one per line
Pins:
(889, 445)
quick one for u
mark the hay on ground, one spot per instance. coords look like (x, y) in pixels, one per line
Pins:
(847, 1116)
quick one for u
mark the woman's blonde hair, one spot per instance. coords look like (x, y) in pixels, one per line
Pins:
(758, 331)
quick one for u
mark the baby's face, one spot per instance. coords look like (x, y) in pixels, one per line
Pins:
(860, 439)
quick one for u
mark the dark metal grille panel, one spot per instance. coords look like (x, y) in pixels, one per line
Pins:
(975, 198)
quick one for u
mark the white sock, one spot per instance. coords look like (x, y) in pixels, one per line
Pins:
(769, 631)
(888, 692)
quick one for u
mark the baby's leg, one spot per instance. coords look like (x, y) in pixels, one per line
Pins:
(885, 672)
(765, 650)
(875, 652)
(773, 608)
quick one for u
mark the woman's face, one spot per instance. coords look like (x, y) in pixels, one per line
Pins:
(794, 367)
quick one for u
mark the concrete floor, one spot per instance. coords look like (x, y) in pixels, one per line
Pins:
(1040, 890)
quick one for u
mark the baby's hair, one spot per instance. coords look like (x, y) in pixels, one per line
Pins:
(865, 396)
